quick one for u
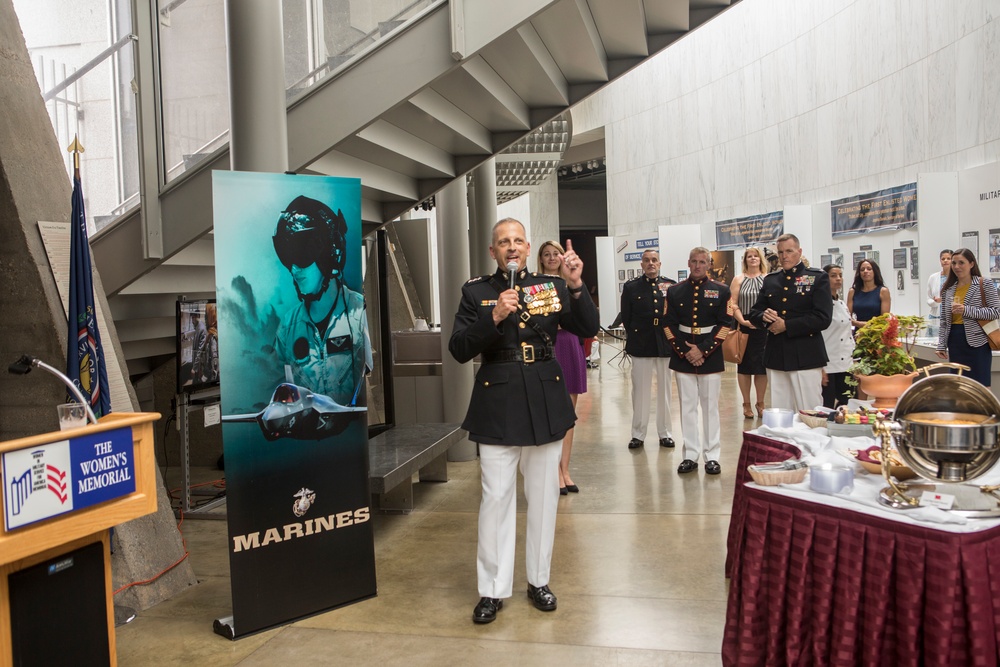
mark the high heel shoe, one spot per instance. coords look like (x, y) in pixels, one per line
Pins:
(747, 412)
(760, 409)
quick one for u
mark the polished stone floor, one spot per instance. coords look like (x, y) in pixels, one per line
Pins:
(638, 569)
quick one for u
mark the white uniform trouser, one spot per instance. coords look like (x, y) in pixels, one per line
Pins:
(694, 391)
(498, 514)
(796, 390)
(642, 378)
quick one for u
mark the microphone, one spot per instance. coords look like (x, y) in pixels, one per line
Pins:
(511, 274)
(24, 365)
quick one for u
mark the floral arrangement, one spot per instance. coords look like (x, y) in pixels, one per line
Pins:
(878, 349)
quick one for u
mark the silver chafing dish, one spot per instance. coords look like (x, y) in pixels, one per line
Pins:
(947, 429)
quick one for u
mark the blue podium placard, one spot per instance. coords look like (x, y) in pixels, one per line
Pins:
(67, 475)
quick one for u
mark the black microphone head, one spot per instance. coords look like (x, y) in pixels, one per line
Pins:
(22, 366)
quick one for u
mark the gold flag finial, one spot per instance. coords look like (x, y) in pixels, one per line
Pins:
(75, 148)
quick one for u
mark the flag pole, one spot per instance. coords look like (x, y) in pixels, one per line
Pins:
(85, 365)
(76, 148)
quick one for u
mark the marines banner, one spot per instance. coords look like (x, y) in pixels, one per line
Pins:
(294, 351)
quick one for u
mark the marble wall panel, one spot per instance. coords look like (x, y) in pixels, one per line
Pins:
(991, 151)
(804, 63)
(941, 95)
(845, 28)
(808, 150)
(913, 28)
(787, 76)
(942, 22)
(729, 161)
(868, 106)
(710, 116)
(733, 104)
(991, 76)
(913, 107)
(753, 98)
(825, 72)
(969, 84)
(771, 90)
(795, 101)
(650, 146)
(690, 139)
(659, 209)
(890, 130)
(762, 153)
(788, 156)
(845, 122)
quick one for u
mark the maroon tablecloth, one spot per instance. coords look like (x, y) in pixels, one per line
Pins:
(756, 449)
(818, 585)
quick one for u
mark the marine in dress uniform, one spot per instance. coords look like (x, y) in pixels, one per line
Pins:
(795, 306)
(699, 317)
(520, 409)
(642, 304)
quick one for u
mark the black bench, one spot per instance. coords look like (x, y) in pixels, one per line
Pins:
(393, 457)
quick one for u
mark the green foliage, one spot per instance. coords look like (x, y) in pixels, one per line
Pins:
(878, 349)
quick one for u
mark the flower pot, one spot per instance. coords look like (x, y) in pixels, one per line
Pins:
(885, 389)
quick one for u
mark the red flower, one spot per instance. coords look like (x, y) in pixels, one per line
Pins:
(890, 337)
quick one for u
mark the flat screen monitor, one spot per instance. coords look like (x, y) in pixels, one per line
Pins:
(197, 345)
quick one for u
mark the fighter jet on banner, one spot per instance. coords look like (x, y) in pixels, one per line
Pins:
(299, 413)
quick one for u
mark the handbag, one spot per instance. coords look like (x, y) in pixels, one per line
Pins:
(735, 346)
(990, 327)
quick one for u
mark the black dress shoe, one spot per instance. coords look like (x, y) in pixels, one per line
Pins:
(687, 465)
(667, 442)
(563, 490)
(486, 610)
(712, 467)
(542, 597)
(634, 443)
(573, 488)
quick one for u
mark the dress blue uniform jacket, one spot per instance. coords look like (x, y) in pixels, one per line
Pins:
(704, 305)
(802, 297)
(518, 402)
(643, 301)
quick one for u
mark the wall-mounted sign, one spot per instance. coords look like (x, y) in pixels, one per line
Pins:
(894, 208)
(754, 230)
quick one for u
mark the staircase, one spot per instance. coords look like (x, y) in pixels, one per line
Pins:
(441, 94)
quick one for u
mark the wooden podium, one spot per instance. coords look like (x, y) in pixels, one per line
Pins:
(35, 555)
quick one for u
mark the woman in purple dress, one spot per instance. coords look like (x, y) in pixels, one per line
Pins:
(569, 354)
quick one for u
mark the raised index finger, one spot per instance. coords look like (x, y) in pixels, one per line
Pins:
(569, 245)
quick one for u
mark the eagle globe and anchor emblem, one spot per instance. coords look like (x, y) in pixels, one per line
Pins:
(303, 501)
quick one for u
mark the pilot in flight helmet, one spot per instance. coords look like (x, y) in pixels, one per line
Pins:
(310, 232)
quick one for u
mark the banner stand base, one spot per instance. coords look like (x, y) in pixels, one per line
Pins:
(224, 626)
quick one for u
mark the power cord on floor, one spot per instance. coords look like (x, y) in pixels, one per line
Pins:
(162, 572)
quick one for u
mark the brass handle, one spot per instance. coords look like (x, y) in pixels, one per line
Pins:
(926, 370)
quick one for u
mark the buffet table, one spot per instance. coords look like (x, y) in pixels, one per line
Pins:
(756, 449)
(820, 583)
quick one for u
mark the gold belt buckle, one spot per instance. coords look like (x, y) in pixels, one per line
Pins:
(656, 321)
(528, 353)
(695, 331)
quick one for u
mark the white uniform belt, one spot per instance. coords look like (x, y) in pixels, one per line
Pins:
(697, 331)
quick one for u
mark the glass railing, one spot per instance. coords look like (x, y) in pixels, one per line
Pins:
(87, 80)
(319, 37)
(84, 73)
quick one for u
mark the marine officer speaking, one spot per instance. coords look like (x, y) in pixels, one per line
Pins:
(643, 299)
(698, 319)
(795, 306)
(520, 408)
